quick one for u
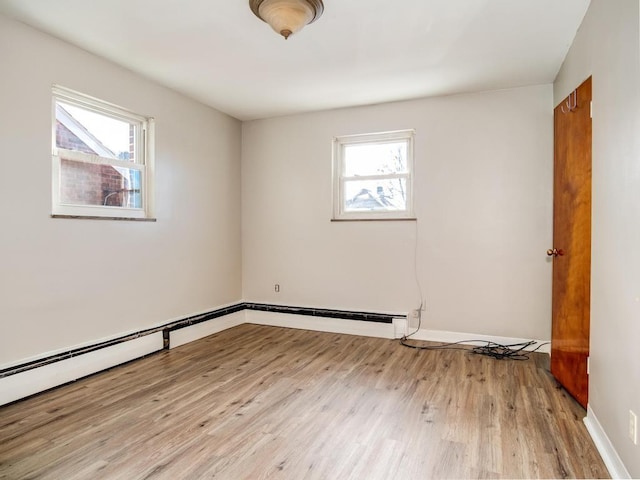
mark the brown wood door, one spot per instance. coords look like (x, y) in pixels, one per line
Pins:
(572, 242)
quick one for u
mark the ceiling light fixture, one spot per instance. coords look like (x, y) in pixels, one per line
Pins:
(287, 16)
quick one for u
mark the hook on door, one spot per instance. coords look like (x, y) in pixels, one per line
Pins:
(571, 102)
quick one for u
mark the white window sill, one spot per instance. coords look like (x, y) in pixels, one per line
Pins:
(399, 219)
(94, 217)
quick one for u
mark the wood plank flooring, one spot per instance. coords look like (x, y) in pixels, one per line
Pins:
(256, 402)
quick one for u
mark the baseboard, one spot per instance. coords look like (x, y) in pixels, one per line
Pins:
(19, 381)
(28, 377)
(449, 337)
(325, 312)
(608, 453)
(204, 329)
(43, 378)
(58, 355)
(321, 324)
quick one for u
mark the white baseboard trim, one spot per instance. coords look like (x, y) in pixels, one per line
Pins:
(608, 453)
(125, 333)
(449, 337)
(185, 335)
(321, 324)
(21, 385)
(29, 382)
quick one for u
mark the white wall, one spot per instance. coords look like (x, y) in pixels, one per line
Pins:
(607, 47)
(69, 282)
(483, 200)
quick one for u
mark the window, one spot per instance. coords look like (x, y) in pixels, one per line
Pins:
(372, 176)
(102, 159)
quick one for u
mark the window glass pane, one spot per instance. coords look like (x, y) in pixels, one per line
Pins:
(90, 132)
(375, 195)
(94, 184)
(375, 159)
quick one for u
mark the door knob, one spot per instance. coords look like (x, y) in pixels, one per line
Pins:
(554, 252)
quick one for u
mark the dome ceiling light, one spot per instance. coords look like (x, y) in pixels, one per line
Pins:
(287, 17)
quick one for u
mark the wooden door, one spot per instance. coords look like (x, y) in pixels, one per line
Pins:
(572, 242)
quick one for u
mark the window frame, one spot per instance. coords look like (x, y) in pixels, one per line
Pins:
(340, 178)
(143, 159)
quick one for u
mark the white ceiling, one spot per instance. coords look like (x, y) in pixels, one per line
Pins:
(359, 52)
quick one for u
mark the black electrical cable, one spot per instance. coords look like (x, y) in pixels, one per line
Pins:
(514, 351)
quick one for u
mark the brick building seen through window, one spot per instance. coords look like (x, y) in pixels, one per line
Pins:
(85, 183)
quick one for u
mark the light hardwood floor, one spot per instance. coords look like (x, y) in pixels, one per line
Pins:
(258, 402)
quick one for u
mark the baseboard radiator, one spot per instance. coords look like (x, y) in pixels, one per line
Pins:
(31, 377)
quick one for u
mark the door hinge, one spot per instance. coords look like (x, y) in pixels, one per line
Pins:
(591, 109)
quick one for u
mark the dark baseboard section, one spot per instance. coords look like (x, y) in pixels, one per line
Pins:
(196, 319)
(324, 312)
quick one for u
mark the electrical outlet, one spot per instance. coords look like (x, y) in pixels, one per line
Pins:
(414, 318)
(399, 327)
(633, 427)
(276, 288)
